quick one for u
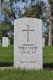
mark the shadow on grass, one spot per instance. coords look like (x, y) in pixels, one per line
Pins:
(11, 64)
(6, 64)
(48, 66)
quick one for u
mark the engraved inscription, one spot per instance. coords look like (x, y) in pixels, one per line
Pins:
(27, 48)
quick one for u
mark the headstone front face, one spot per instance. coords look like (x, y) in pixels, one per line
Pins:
(5, 42)
(28, 43)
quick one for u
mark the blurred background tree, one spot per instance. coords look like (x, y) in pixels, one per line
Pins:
(12, 10)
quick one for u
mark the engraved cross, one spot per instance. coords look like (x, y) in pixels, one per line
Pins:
(27, 30)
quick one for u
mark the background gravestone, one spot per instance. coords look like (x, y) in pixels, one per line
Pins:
(43, 41)
(8, 41)
(0, 42)
(28, 43)
(5, 41)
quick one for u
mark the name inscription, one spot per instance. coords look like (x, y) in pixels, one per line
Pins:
(27, 48)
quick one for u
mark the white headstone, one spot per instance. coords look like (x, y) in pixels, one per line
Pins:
(9, 41)
(28, 43)
(43, 42)
(0, 42)
(5, 42)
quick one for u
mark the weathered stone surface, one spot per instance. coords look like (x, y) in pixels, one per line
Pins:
(28, 43)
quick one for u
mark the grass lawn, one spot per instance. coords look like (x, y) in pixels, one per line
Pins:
(17, 74)
(48, 55)
(6, 55)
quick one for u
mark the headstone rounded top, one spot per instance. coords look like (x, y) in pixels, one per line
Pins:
(25, 18)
